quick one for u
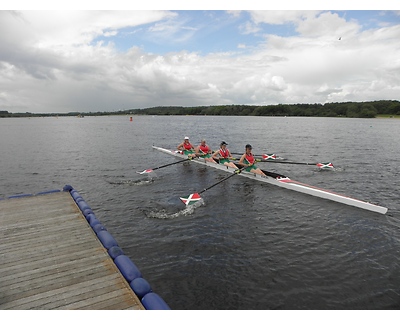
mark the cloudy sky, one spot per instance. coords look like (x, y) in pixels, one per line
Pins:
(105, 60)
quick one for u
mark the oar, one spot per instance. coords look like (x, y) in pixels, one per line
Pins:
(271, 156)
(163, 166)
(321, 165)
(194, 197)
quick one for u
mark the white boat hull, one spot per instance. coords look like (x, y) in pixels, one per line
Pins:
(286, 182)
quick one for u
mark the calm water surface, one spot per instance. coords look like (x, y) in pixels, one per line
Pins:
(250, 245)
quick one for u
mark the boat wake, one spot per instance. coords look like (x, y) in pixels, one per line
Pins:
(335, 169)
(138, 182)
(163, 214)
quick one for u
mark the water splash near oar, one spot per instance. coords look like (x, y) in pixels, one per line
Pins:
(194, 198)
(187, 211)
(137, 182)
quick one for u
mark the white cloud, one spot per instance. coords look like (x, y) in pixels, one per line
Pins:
(327, 25)
(45, 29)
(280, 16)
(49, 62)
(249, 27)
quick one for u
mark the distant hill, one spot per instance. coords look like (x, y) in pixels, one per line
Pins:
(368, 109)
(336, 109)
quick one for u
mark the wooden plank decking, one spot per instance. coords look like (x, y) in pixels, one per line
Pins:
(51, 259)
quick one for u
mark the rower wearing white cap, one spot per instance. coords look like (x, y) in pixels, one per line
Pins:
(186, 147)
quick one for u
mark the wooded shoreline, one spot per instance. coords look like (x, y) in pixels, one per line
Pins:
(370, 109)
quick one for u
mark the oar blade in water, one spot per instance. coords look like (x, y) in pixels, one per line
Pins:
(191, 199)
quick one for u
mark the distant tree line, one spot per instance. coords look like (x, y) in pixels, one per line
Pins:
(334, 109)
(6, 114)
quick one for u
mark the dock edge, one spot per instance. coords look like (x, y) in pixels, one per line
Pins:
(149, 299)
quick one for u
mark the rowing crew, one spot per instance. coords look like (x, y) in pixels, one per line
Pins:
(222, 156)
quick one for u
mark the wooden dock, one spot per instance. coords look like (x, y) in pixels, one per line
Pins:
(51, 259)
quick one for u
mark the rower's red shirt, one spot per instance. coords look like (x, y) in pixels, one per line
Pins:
(249, 158)
(187, 146)
(224, 153)
(204, 149)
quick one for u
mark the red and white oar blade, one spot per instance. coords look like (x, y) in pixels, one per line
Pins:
(191, 199)
(145, 171)
(269, 156)
(325, 165)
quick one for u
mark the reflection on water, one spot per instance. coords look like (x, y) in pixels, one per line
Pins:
(249, 245)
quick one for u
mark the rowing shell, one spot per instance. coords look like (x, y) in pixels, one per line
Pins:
(285, 182)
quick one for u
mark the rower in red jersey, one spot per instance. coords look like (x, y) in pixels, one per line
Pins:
(186, 147)
(224, 156)
(204, 151)
(248, 161)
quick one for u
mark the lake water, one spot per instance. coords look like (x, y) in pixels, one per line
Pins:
(250, 245)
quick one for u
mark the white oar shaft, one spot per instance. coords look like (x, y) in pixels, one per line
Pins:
(163, 166)
(194, 197)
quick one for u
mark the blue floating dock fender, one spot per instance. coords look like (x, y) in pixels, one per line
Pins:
(87, 211)
(141, 287)
(20, 195)
(90, 216)
(107, 239)
(152, 301)
(98, 227)
(83, 205)
(92, 220)
(47, 192)
(68, 188)
(115, 252)
(77, 199)
(127, 267)
(75, 194)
